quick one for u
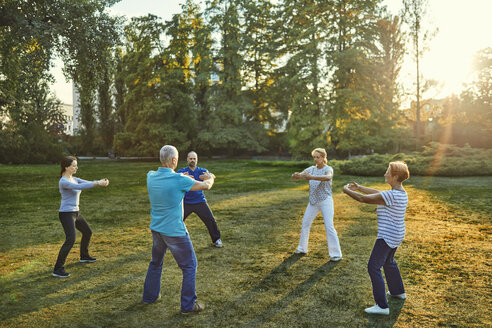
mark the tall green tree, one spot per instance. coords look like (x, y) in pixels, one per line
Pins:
(31, 34)
(304, 33)
(86, 45)
(353, 100)
(227, 127)
(414, 14)
(157, 105)
(473, 119)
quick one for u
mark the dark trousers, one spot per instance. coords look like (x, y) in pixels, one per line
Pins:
(70, 221)
(205, 214)
(382, 256)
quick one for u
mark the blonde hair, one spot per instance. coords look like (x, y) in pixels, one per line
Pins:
(322, 152)
(400, 170)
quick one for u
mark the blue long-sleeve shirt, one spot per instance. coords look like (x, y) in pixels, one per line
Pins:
(70, 193)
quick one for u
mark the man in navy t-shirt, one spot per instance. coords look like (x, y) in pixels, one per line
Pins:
(195, 202)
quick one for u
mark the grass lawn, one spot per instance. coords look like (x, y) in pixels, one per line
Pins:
(254, 280)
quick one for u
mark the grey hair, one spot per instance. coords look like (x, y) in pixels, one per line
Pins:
(167, 153)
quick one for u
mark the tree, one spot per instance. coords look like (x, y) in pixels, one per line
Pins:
(474, 119)
(31, 34)
(227, 127)
(354, 57)
(304, 32)
(86, 50)
(414, 13)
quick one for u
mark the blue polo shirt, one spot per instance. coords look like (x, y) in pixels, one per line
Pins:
(194, 197)
(166, 191)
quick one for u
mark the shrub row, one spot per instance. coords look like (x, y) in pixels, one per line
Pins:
(434, 160)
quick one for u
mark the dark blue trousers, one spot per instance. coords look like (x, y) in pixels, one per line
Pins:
(382, 256)
(205, 214)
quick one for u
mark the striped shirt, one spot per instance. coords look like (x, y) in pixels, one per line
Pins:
(319, 190)
(391, 217)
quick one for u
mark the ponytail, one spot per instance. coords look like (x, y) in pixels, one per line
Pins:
(66, 162)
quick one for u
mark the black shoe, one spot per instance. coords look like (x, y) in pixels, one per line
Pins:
(196, 308)
(88, 259)
(60, 273)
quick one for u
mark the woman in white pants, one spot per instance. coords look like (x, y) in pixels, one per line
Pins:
(320, 199)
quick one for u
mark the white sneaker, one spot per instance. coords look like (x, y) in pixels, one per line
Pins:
(218, 243)
(299, 252)
(377, 310)
(400, 296)
(335, 258)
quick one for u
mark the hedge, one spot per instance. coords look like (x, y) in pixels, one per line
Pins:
(434, 160)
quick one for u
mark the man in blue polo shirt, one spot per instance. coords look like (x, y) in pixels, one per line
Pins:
(195, 202)
(166, 191)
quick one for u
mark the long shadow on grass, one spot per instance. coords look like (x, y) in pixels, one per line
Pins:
(43, 284)
(386, 321)
(301, 289)
(270, 281)
(233, 306)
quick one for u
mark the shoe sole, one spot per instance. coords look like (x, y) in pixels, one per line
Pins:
(377, 313)
(398, 297)
(87, 261)
(59, 276)
(335, 260)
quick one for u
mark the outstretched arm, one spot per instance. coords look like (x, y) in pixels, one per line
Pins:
(304, 175)
(79, 185)
(374, 198)
(365, 190)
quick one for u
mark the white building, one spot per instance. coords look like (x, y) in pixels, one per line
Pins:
(67, 111)
(76, 110)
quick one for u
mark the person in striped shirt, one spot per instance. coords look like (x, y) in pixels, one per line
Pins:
(392, 205)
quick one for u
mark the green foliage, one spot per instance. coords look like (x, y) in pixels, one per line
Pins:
(236, 78)
(31, 33)
(434, 160)
(29, 144)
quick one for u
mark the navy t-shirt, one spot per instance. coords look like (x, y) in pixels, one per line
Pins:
(194, 197)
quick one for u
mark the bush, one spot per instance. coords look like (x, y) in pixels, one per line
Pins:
(434, 160)
(31, 144)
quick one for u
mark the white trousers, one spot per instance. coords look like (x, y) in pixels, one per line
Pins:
(326, 208)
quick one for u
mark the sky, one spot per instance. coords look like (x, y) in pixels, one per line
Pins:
(464, 27)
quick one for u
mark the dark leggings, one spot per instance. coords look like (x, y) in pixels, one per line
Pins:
(70, 221)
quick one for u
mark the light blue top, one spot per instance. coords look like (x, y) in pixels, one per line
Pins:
(391, 217)
(166, 191)
(70, 193)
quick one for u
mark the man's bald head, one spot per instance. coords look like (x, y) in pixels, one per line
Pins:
(192, 159)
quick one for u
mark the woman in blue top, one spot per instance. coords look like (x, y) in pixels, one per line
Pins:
(70, 188)
(392, 205)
